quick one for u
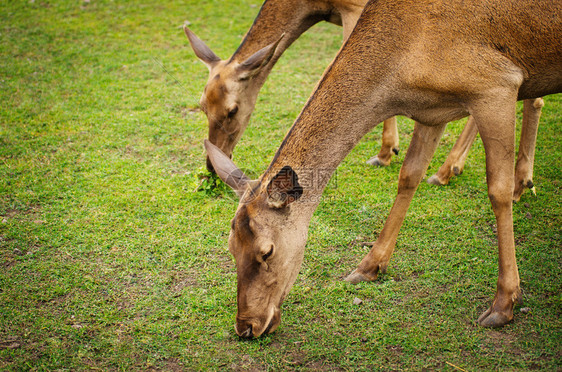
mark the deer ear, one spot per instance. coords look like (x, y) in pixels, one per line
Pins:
(226, 169)
(251, 66)
(202, 51)
(284, 188)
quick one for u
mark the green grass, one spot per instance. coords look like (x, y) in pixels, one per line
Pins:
(110, 261)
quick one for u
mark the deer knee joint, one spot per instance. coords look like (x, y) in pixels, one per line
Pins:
(407, 182)
(499, 200)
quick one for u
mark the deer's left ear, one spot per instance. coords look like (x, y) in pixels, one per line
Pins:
(202, 51)
(252, 66)
(284, 188)
(226, 169)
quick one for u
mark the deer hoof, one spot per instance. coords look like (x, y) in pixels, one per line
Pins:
(376, 162)
(357, 277)
(435, 180)
(494, 319)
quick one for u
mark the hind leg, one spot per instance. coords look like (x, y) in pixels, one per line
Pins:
(389, 144)
(526, 156)
(454, 164)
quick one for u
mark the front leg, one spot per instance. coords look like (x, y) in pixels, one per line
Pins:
(389, 144)
(496, 125)
(422, 147)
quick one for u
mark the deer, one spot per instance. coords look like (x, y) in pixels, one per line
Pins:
(433, 61)
(233, 85)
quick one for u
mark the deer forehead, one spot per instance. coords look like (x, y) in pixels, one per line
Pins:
(220, 94)
(215, 91)
(256, 219)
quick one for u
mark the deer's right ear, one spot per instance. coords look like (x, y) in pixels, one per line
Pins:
(251, 66)
(228, 172)
(202, 51)
(284, 188)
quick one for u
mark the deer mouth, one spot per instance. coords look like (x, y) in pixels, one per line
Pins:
(244, 334)
(247, 329)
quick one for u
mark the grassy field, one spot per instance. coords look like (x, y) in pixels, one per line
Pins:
(111, 260)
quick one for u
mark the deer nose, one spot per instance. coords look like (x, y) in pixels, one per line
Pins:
(210, 167)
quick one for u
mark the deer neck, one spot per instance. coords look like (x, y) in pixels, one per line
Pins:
(278, 17)
(348, 101)
(328, 128)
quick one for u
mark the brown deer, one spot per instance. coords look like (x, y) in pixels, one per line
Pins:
(433, 61)
(231, 91)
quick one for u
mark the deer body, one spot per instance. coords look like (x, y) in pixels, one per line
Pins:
(433, 61)
(231, 91)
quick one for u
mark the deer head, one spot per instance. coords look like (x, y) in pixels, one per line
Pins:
(267, 239)
(230, 95)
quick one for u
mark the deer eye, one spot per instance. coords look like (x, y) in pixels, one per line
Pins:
(268, 254)
(232, 112)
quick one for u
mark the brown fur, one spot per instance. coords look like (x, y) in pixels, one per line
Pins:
(431, 60)
(234, 84)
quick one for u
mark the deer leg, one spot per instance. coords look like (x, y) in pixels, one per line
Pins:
(422, 147)
(454, 164)
(389, 144)
(526, 156)
(497, 130)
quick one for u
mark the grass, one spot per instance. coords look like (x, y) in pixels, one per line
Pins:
(110, 261)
